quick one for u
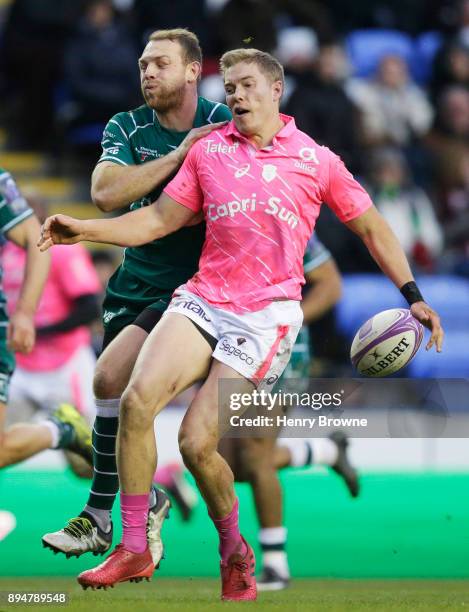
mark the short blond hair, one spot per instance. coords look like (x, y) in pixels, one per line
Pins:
(267, 64)
(187, 39)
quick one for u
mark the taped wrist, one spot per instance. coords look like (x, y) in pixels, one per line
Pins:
(411, 293)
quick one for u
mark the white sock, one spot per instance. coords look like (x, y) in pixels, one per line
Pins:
(276, 559)
(54, 432)
(108, 407)
(102, 517)
(152, 499)
(299, 451)
(325, 451)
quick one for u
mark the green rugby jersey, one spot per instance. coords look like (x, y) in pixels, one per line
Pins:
(13, 210)
(136, 137)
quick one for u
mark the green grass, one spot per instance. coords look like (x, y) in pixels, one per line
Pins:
(202, 594)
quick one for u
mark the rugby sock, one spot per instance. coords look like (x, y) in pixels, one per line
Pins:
(324, 450)
(273, 541)
(228, 531)
(164, 475)
(134, 512)
(317, 451)
(105, 483)
(53, 427)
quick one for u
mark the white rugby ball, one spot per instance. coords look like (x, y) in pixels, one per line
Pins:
(386, 342)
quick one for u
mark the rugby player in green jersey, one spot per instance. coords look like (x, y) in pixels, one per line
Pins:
(65, 428)
(142, 150)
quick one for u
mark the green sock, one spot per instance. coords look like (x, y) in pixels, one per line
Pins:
(105, 484)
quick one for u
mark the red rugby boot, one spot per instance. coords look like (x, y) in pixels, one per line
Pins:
(238, 582)
(121, 566)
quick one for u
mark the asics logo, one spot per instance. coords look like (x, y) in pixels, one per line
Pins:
(242, 171)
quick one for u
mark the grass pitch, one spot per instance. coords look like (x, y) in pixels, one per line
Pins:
(202, 594)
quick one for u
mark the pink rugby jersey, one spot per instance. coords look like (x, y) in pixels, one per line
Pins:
(260, 207)
(71, 275)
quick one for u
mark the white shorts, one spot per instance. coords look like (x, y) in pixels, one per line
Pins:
(257, 344)
(72, 382)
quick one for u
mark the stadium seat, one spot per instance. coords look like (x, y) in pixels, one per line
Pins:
(363, 296)
(365, 48)
(449, 296)
(425, 48)
(452, 362)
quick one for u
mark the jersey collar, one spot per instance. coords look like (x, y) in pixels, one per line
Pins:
(285, 132)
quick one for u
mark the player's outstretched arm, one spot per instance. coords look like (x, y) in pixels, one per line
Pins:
(326, 290)
(114, 186)
(389, 255)
(132, 229)
(21, 331)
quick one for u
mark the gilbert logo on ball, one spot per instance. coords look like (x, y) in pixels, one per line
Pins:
(386, 342)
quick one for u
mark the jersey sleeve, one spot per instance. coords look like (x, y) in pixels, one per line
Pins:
(185, 187)
(220, 112)
(315, 255)
(75, 268)
(115, 143)
(344, 195)
(13, 206)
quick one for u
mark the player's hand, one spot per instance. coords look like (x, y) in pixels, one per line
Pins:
(430, 319)
(59, 229)
(194, 135)
(21, 334)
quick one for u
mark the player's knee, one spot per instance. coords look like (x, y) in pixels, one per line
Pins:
(137, 409)
(105, 385)
(195, 447)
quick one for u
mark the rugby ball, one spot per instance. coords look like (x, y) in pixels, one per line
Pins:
(386, 342)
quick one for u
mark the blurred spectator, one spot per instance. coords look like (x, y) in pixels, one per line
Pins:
(31, 54)
(449, 141)
(450, 67)
(321, 106)
(100, 66)
(153, 15)
(255, 23)
(406, 208)
(395, 110)
(456, 223)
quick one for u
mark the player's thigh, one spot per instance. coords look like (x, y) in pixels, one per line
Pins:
(116, 362)
(174, 356)
(208, 415)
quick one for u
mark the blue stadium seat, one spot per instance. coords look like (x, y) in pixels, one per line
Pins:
(87, 134)
(363, 296)
(365, 48)
(452, 362)
(449, 296)
(426, 46)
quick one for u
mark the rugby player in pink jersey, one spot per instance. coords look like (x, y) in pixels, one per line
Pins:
(260, 183)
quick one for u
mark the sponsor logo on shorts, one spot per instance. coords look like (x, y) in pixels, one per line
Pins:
(236, 352)
(108, 315)
(193, 307)
(240, 341)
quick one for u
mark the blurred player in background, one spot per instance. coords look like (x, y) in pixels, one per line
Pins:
(142, 150)
(65, 428)
(246, 292)
(59, 369)
(257, 460)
